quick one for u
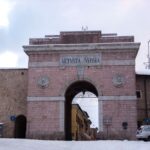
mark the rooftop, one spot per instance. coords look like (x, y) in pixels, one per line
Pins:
(72, 37)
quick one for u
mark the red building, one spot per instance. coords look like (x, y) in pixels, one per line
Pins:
(61, 66)
(36, 102)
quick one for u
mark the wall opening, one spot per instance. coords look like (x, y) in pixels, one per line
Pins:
(72, 91)
(20, 126)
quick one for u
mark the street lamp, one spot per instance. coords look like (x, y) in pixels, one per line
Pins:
(148, 56)
(147, 64)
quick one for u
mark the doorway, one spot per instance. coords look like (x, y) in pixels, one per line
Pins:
(20, 126)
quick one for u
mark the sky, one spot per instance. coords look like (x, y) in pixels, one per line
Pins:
(23, 19)
(89, 103)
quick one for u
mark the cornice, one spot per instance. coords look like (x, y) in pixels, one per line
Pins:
(81, 47)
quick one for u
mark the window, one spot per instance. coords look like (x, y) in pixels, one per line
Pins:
(147, 129)
(138, 94)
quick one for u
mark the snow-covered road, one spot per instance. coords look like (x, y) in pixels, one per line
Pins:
(20, 144)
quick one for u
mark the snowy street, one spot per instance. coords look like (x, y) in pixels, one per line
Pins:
(25, 144)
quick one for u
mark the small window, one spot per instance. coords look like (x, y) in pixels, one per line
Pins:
(138, 94)
(146, 129)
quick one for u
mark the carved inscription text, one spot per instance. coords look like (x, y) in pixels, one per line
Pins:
(86, 60)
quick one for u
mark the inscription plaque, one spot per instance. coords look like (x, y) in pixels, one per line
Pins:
(77, 60)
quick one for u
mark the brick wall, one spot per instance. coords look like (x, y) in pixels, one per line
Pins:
(117, 57)
(61, 78)
(13, 93)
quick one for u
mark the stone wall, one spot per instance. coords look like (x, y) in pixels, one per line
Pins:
(13, 93)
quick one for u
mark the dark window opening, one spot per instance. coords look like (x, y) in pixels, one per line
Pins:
(138, 94)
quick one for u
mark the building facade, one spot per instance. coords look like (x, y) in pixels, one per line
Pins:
(80, 124)
(143, 99)
(61, 66)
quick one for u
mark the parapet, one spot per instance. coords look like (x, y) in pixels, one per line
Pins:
(77, 37)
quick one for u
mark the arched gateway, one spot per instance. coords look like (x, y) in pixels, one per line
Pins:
(71, 92)
(60, 66)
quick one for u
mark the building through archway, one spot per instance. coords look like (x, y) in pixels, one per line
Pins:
(62, 65)
(72, 90)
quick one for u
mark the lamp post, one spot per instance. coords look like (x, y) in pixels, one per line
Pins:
(148, 55)
(147, 64)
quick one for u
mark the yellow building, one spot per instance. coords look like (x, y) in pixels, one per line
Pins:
(80, 124)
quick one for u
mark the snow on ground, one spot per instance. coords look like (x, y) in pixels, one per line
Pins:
(25, 144)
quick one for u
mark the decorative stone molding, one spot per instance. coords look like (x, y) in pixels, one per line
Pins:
(61, 115)
(45, 98)
(80, 72)
(118, 80)
(43, 64)
(118, 62)
(43, 82)
(109, 98)
(100, 115)
(104, 62)
(81, 47)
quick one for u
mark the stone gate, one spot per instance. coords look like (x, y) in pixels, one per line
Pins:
(60, 66)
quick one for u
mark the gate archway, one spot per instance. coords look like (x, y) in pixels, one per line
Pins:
(106, 59)
(71, 92)
(20, 126)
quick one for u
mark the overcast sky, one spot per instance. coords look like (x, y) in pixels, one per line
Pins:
(22, 19)
(89, 103)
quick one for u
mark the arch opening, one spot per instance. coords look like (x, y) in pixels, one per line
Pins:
(72, 91)
(20, 126)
